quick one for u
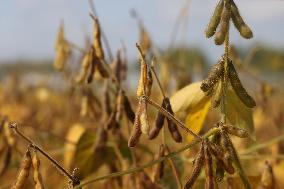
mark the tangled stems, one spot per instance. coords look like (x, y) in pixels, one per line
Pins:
(75, 181)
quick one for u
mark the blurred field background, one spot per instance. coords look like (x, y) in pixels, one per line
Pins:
(48, 105)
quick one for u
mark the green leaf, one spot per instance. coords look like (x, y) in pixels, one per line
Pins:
(237, 113)
(89, 160)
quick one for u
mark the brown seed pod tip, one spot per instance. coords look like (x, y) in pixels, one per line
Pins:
(219, 38)
(133, 141)
(177, 137)
(153, 133)
(246, 32)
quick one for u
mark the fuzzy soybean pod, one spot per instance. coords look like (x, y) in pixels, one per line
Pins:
(224, 24)
(219, 173)
(136, 131)
(160, 119)
(221, 158)
(198, 164)
(24, 172)
(171, 125)
(238, 87)
(236, 131)
(215, 20)
(235, 159)
(214, 76)
(208, 168)
(229, 153)
(239, 23)
(228, 163)
(36, 172)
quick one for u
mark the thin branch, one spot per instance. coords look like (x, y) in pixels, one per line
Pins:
(263, 145)
(173, 167)
(157, 78)
(171, 117)
(14, 126)
(137, 169)
(225, 80)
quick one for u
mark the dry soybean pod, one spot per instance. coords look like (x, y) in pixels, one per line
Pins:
(224, 24)
(102, 68)
(86, 63)
(238, 87)
(24, 171)
(97, 44)
(142, 84)
(267, 177)
(171, 125)
(219, 173)
(198, 164)
(214, 76)
(160, 119)
(208, 168)
(236, 161)
(91, 70)
(119, 105)
(217, 151)
(228, 163)
(215, 20)
(145, 127)
(136, 131)
(236, 131)
(128, 109)
(221, 158)
(239, 23)
(36, 172)
(6, 161)
(159, 169)
(229, 154)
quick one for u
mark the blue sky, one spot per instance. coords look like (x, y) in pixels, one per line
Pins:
(28, 27)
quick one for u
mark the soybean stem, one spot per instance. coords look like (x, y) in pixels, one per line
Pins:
(157, 78)
(136, 169)
(54, 162)
(173, 167)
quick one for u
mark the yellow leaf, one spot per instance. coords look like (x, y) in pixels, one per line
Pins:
(195, 117)
(192, 100)
(187, 97)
